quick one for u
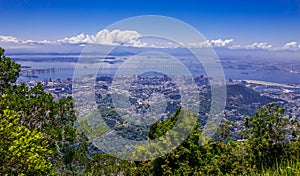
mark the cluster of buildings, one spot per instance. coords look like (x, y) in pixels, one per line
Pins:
(288, 93)
(136, 95)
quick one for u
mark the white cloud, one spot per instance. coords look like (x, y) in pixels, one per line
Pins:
(211, 43)
(37, 42)
(14, 40)
(80, 38)
(10, 39)
(116, 37)
(291, 45)
(134, 39)
(106, 37)
(261, 45)
(221, 43)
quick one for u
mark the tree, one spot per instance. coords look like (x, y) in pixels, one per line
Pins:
(38, 111)
(9, 70)
(217, 157)
(104, 164)
(267, 134)
(180, 161)
(22, 151)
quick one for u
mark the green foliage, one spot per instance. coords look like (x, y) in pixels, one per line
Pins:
(267, 135)
(39, 115)
(246, 96)
(22, 151)
(9, 70)
(291, 168)
(223, 133)
(190, 158)
(266, 140)
(39, 110)
(92, 131)
(103, 164)
(158, 129)
(75, 160)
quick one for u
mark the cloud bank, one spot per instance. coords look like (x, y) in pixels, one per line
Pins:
(292, 45)
(106, 37)
(211, 43)
(135, 39)
(259, 45)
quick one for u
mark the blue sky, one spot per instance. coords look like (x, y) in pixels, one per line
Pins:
(275, 22)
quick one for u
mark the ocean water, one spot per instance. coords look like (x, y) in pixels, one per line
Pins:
(64, 68)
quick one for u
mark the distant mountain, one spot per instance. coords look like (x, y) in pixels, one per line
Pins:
(243, 101)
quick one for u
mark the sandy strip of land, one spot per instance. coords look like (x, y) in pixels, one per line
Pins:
(271, 84)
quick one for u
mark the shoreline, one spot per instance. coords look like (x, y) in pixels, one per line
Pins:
(271, 84)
